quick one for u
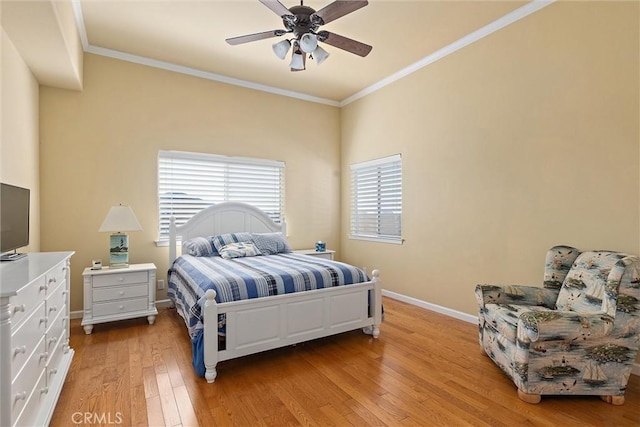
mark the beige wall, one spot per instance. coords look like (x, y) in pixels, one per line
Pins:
(19, 156)
(99, 148)
(523, 140)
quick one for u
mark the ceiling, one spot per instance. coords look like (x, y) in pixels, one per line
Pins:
(192, 34)
(188, 36)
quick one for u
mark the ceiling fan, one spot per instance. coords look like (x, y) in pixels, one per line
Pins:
(303, 22)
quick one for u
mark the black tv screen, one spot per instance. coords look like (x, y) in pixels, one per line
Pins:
(14, 217)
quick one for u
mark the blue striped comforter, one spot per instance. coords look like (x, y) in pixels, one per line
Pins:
(250, 277)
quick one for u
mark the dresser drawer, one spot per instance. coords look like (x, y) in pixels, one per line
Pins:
(25, 339)
(120, 292)
(55, 328)
(123, 278)
(55, 354)
(23, 383)
(56, 276)
(33, 403)
(27, 298)
(56, 300)
(117, 307)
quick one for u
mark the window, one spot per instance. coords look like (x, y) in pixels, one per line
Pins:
(376, 200)
(189, 182)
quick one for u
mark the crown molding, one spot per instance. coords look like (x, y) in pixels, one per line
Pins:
(470, 38)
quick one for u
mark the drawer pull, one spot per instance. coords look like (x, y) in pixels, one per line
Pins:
(52, 340)
(121, 307)
(44, 390)
(54, 308)
(20, 396)
(52, 280)
(53, 371)
(44, 287)
(22, 349)
(65, 292)
(120, 293)
(121, 279)
(18, 308)
(44, 355)
(42, 320)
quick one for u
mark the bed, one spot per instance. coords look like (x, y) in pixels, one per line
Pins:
(324, 297)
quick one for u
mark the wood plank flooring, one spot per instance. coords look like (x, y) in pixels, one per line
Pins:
(426, 369)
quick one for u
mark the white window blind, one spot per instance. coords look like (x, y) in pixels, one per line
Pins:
(376, 200)
(189, 182)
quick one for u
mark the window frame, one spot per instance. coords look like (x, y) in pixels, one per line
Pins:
(385, 168)
(227, 173)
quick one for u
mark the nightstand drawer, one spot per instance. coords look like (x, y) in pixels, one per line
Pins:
(120, 292)
(117, 307)
(124, 278)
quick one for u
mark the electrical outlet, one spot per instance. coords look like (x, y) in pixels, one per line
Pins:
(160, 284)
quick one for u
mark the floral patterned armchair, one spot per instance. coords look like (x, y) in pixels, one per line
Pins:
(579, 334)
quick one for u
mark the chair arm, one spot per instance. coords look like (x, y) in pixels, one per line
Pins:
(516, 294)
(563, 325)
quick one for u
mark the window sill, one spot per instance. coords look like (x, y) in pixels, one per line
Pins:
(397, 241)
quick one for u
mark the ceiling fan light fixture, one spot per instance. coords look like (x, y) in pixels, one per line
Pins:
(297, 61)
(308, 42)
(319, 54)
(281, 48)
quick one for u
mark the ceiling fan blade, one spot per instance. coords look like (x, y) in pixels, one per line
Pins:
(277, 7)
(344, 43)
(253, 37)
(338, 9)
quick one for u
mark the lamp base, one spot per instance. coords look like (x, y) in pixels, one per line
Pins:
(119, 250)
(114, 266)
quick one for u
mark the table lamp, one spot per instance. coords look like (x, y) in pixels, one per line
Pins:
(119, 219)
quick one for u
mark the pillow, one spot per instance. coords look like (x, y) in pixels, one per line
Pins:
(271, 243)
(220, 240)
(199, 246)
(238, 250)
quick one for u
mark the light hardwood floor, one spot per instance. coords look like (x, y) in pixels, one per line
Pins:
(426, 369)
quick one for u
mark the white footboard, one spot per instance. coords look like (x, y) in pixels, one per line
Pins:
(263, 324)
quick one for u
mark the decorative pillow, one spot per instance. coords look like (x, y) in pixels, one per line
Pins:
(220, 240)
(238, 250)
(199, 246)
(271, 243)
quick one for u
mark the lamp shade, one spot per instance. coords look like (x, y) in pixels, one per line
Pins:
(120, 218)
(281, 48)
(319, 54)
(297, 62)
(308, 42)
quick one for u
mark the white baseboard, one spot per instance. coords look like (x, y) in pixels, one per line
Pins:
(453, 313)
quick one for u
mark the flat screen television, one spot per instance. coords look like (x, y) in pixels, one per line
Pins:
(14, 220)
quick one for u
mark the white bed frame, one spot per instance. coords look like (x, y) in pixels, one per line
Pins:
(262, 324)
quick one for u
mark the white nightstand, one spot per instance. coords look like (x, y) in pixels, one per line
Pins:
(119, 293)
(328, 254)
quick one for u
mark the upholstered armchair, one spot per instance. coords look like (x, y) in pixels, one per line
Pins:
(579, 334)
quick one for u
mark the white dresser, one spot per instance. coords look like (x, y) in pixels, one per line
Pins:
(119, 293)
(34, 335)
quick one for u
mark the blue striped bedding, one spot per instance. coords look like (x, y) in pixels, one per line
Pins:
(250, 277)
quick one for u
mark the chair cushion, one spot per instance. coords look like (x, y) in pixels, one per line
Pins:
(585, 285)
(504, 317)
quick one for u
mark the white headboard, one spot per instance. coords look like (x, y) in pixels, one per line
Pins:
(227, 217)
